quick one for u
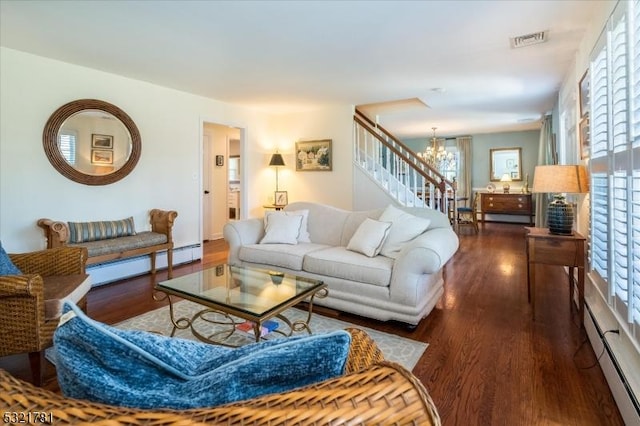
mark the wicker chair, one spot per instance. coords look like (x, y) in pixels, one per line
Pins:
(30, 304)
(372, 391)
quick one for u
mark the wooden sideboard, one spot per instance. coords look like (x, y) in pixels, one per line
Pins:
(511, 204)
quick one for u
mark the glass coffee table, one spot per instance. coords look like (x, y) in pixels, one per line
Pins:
(235, 298)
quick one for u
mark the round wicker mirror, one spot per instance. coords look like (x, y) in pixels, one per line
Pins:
(92, 142)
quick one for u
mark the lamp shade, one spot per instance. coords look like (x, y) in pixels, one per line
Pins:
(276, 160)
(558, 179)
(506, 178)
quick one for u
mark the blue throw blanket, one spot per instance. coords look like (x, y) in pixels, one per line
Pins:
(145, 370)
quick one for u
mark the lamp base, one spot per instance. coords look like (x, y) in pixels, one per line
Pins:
(560, 216)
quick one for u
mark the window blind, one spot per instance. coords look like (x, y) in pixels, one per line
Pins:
(67, 144)
(635, 164)
(599, 131)
(615, 163)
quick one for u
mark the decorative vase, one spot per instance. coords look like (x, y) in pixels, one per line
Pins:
(276, 277)
(560, 216)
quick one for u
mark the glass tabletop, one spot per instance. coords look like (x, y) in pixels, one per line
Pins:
(250, 290)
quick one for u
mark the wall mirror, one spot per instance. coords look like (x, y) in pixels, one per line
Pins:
(234, 169)
(92, 142)
(505, 161)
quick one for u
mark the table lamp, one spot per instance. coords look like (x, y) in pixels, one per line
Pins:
(506, 178)
(559, 180)
(276, 161)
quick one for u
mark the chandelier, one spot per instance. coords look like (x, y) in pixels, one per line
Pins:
(437, 157)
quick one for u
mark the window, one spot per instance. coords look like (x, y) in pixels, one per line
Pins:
(449, 167)
(67, 145)
(615, 163)
(441, 156)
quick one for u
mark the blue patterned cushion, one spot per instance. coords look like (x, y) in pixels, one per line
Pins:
(146, 370)
(81, 232)
(6, 265)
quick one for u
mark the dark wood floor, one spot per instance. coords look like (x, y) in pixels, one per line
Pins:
(487, 363)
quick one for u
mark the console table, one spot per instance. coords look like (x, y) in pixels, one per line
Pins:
(566, 250)
(511, 204)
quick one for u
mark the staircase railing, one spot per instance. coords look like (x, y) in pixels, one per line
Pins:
(397, 169)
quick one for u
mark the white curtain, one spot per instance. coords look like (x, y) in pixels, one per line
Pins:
(464, 166)
(546, 155)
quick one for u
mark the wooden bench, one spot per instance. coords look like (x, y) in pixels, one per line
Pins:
(119, 247)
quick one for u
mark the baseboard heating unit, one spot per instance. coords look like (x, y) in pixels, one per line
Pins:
(625, 397)
(104, 273)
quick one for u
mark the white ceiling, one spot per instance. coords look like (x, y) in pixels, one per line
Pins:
(285, 56)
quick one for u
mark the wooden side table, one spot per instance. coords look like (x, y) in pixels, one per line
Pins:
(273, 206)
(546, 248)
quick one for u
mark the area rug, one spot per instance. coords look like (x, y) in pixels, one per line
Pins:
(404, 351)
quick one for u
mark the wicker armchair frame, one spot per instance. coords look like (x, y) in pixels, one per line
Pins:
(23, 326)
(372, 391)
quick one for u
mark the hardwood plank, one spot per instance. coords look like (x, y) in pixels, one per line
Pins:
(487, 361)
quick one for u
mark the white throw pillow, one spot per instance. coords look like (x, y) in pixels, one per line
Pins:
(303, 236)
(369, 237)
(282, 229)
(404, 227)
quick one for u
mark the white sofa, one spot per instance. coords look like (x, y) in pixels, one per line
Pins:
(404, 289)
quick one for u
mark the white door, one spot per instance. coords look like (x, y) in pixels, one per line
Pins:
(216, 185)
(207, 197)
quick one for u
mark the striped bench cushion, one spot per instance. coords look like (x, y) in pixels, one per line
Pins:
(118, 245)
(81, 232)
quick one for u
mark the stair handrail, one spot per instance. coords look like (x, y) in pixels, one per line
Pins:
(409, 158)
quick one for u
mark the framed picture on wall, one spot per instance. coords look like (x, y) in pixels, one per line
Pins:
(584, 137)
(314, 156)
(101, 156)
(101, 141)
(583, 88)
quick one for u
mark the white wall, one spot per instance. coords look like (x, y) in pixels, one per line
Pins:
(569, 94)
(368, 195)
(335, 187)
(167, 175)
(169, 171)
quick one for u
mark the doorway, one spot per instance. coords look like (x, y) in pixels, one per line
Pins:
(221, 178)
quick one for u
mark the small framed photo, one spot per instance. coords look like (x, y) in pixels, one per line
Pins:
(101, 141)
(583, 88)
(219, 270)
(219, 160)
(101, 156)
(314, 156)
(584, 138)
(281, 198)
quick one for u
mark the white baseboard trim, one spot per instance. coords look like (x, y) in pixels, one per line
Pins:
(108, 272)
(616, 361)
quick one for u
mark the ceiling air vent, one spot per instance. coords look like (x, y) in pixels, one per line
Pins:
(528, 39)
